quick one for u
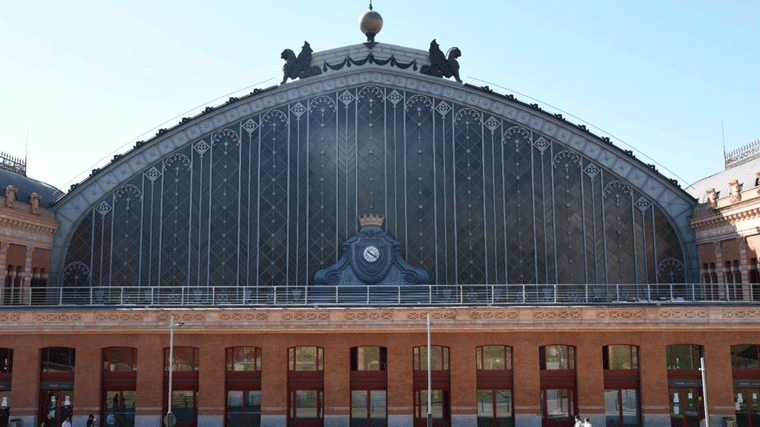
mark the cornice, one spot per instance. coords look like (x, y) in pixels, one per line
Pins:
(726, 216)
(13, 219)
(382, 320)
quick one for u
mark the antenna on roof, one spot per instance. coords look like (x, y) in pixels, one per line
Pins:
(26, 151)
(723, 133)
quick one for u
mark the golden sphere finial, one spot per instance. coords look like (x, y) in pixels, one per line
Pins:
(370, 23)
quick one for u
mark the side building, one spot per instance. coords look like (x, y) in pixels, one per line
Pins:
(288, 249)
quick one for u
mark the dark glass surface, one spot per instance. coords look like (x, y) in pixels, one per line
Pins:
(473, 199)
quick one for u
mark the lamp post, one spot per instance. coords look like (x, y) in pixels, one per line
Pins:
(170, 419)
(704, 390)
(429, 379)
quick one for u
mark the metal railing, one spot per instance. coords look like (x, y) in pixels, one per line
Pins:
(379, 295)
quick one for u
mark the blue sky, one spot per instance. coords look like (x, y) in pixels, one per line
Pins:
(88, 78)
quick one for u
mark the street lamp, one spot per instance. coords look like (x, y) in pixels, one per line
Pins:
(170, 419)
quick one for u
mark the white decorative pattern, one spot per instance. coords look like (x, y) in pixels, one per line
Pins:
(395, 97)
(346, 98)
(492, 123)
(201, 147)
(642, 204)
(542, 144)
(103, 208)
(443, 108)
(250, 126)
(298, 109)
(152, 174)
(592, 170)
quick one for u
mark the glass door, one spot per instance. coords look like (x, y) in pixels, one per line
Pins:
(686, 408)
(55, 406)
(184, 407)
(621, 408)
(368, 408)
(747, 401)
(119, 409)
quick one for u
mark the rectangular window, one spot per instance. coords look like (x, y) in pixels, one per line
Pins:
(620, 357)
(557, 357)
(368, 359)
(305, 359)
(494, 357)
(683, 356)
(439, 358)
(243, 359)
(57, 359)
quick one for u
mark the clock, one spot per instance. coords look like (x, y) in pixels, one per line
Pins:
(371, 254)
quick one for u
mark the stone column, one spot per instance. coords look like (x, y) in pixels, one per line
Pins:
(655, 408)
(337, 370)
(26, 284)
(25, 393)
(400, 393)
(87, 379)
(274, 383)
(150, 380)
(720, 387)
(463, 381)
(590, 381)
(211, 379)
(527, 382)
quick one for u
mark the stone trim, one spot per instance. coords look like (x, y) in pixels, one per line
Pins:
(448, 319)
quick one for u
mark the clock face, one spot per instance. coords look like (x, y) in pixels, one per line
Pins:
(371, 254)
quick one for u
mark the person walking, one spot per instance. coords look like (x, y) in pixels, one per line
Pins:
(66, 422)
(578, 422)
(587, 423)
(91, 421)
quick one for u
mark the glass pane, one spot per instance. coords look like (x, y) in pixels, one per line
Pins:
(559, 357)
(436, 407)
(358, 408)
(253, 408)
(494, 357)
(368, 359)
(183, 405)
(119, 359)
(245, 359)
(630, 401)
(306, 404)
(684, 356)
(558, 403)
(744, 357)
(234, 408)
(503, 400)
(378, 404)
(611, 408)
(306, 359)
(185, 359)
(485, 408)
(620, 356)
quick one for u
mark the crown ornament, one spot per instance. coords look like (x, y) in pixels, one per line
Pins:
(371, 219)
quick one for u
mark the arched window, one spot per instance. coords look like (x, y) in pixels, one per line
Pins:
(369, 384)
(558, 385)
(184, 384)
(119, 385)
(306, 386)
(621, 385)
(440, 390)
(494, 385)
(684, 383)
(745, 364)
(243, 384)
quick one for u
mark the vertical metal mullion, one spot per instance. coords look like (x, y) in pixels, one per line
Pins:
(583, 220)
(210, 204)
(654, 249)
(554, 212)
(200, 220)
(258, 204)
(604, 230)
(445, 198)
(150, 233)
(405, 189)
(287, 203)
(110, 253)
(483, 176)
(190, 221)
(248, 228)
(160, 223)
(239, 204)
(298, 195)
(504, 203)
(92, 247)
(454, 194)
(308, 163)
(593, 231)
(633, 233)
(533, 207)
(435, 193)
(493, 201)
(385, 152)
(337, 177)
(356, 157)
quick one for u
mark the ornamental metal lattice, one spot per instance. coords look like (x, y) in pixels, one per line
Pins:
(473, 198)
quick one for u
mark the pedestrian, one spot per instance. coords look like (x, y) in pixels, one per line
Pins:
(578, 422)
(66, 422)
(49, 421)
(91, 421)
(587, 423)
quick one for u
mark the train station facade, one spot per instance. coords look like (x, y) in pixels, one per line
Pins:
(302, 235)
